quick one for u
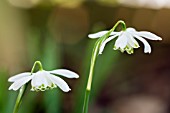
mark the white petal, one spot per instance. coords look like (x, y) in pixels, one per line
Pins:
(60, 83)
(121, 42)
(132, 42)
(65, 73)
(98, 34)
(115, 33)
(105, 42)
(148, 35)
(18, 76)
(147, 47)
(20, 82)
(40, 78)
(131, 30)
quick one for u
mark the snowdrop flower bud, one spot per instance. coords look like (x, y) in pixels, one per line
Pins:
(126, 40)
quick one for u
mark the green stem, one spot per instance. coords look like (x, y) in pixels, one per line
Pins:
(40, 66)
(86, 101)
(117, 23)
(19, 98)
(23, 89)
(93, 60)
(88, 89)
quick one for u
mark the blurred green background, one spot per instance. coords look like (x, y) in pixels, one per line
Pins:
(55, 32)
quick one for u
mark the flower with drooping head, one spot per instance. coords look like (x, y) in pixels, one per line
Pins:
(126, 40)
(42, 80)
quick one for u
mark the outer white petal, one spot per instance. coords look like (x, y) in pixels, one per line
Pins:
(20, 82)
(115, 33)
(106, 41)
(147, 47)
(18, 76)
(148, 35)
(98, 34)
(60, 83)
(40, 78)
(131, 30)
(65, 73)
(121, 42)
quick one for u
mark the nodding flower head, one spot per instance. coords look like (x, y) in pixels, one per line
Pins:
(126, 40)
(43, 80)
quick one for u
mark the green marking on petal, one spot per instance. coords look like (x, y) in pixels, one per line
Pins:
(43, 88)
(137, 46)
(115, 48)
(122, 50)
(130, 51)
(37, 90)
(52, 85)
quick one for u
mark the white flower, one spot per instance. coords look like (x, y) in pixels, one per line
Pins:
(42, 80)
(126, 40)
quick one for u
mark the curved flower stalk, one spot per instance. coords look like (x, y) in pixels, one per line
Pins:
(126, 41)
(40, 81)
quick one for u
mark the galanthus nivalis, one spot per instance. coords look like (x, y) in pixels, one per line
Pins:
(43, 80)
(126, 40)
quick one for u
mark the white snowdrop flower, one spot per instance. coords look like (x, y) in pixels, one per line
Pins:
(126, 40)
(43, 80)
